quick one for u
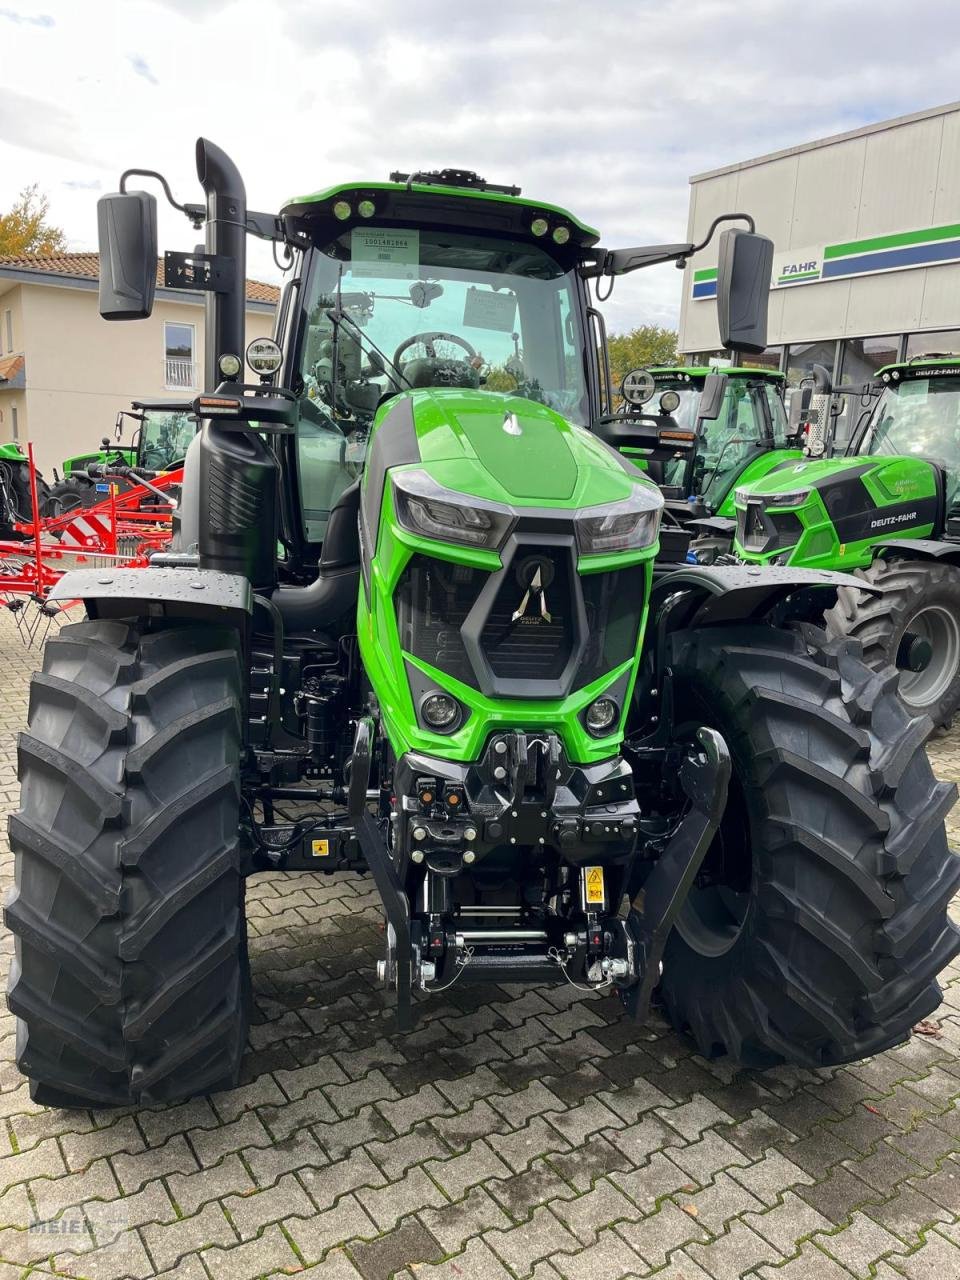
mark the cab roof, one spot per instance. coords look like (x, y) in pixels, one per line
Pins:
(919, 367)
(470, 207)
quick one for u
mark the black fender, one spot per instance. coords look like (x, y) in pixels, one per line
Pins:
(715, 526)
(919, 549)
(157, 592)
(704, 595)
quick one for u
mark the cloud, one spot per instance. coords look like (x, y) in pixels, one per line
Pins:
(37, 125)
(27, 19)
(79, 184)
(142, 68)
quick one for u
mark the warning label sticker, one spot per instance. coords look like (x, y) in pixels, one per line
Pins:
(593, 879)
(320, 848)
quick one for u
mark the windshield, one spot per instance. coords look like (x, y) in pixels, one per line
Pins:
(165, 438)
(390, 309)
(921, 417)
(751, 419)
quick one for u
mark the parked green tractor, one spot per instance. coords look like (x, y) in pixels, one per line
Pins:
(160, 442)
(459, 673)
(16, 500)
(736, 431)
(887, 510)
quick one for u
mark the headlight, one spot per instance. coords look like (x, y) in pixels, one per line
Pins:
(431, 511)
(791, 499)
(601, 716)
(627, 525)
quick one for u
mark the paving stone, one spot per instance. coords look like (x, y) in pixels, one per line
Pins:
(604, 1205)
(478, 1121)
(937, 1259)
(610, 1257)
(158, 1126)
(167, 1243)
(540, 1237)
(190, 1191)
(134, 1171)
(454, 1224)
(111, 1218)
(859, 1245)
(519, 1148)
(809, 1264)
(211, 1145)
(787, 1223)
(579, 1123)
(387, 1205)
(299, 1151)
(703, 1159)
(250, 1213)
(517, 1108)
(692, 1118)
(476, 1165)
(404, 1114)
(399, 1154)
(771, 1176)
(717, 1204)
(345, 1221)
(123, 1257)
(732, 1255)
(476, 1262)
(270, 1252)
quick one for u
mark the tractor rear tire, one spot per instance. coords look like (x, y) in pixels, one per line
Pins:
(818, 926)
(921, 593)
(73, 494)
(130, 980)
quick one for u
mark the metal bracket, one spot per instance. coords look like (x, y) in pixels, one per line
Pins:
(704, 776)
(396, 906)
(211, 272)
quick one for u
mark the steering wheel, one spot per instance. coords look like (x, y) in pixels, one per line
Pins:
(428, 338)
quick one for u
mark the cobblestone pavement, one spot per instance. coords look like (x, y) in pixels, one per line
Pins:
(516, 1133)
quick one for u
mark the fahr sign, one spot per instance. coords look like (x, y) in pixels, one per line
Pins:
(893, 251)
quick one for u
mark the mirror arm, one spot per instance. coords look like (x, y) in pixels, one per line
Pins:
(195, 212)
(265, 226)
(722, 217)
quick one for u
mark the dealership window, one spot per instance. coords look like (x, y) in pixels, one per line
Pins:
(769, 358)
(179, 355)
(14, 425)
(860, 360)
(942, 341)
(802, 356)
(8, 328)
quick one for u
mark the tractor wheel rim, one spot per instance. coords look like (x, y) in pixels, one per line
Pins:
(939, 627)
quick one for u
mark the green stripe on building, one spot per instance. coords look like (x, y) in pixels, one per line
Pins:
(800, 275)
(895, 241)
(705, 273)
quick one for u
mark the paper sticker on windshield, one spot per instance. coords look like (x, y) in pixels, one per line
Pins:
(380, 254)
(485, 309)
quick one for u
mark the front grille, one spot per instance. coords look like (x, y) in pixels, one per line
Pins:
(591, 628)
(758, 530)
(538, 645)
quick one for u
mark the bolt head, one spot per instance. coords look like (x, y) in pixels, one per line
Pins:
(499, 747)
(470, 833)
(469, 856)
(419, 833)
(417, 855)
(499, 771)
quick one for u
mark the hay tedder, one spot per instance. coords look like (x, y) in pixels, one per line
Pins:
(121, 531)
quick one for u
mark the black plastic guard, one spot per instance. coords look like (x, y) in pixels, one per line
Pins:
(704, 776)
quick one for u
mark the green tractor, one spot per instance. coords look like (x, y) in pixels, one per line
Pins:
(410, 625)
(161, 438)
(730, 428)
(16, 500)
(889, 510)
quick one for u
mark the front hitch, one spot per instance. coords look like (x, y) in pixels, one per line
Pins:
(704, 777)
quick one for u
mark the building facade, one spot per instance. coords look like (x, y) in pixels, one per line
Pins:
(65, 372)
(866, 229)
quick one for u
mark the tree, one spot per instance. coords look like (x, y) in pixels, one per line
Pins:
(25, 228)
(646, 345)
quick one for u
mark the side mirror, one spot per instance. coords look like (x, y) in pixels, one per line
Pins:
(127, 234)
(711, 397)
(801, 414)
(743, 289)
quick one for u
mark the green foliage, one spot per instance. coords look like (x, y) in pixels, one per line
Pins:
(646, 345)
(24, 229)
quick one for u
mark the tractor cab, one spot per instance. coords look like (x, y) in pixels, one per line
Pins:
(740, 427)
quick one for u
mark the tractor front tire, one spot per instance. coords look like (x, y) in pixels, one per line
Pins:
(818, 925)
(130, 979)
(72, 494)
(920, 601)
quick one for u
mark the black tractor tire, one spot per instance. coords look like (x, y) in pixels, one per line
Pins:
(73, 493)
(884, 625)
(130, 979)
(817, 928)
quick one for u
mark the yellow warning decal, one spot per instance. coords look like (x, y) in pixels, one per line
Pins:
(320, 848)
(594, 883)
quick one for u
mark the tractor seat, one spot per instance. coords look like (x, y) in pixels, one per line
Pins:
(325, 602)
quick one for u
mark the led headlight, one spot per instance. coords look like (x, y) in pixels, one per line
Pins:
(441, 712)
(792, 499)
(432, 511)
(539, 226)
(627, 525)
(601, 716)
(342, 210)
(366, 208)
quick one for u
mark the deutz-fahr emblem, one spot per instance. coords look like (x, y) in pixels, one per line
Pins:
(537, 575)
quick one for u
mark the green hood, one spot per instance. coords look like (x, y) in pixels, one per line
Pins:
(508, 449)
(804, 475)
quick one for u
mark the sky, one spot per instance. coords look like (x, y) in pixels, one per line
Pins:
(606, 108)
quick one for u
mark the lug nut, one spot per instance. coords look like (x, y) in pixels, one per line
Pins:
(499, 748)
(419, 833)
(417, 855)
(499, 772)
(470, 833)
(469, 856)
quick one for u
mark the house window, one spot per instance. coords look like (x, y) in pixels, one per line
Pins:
(178, 356)
(15, 426)
(8, 327)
